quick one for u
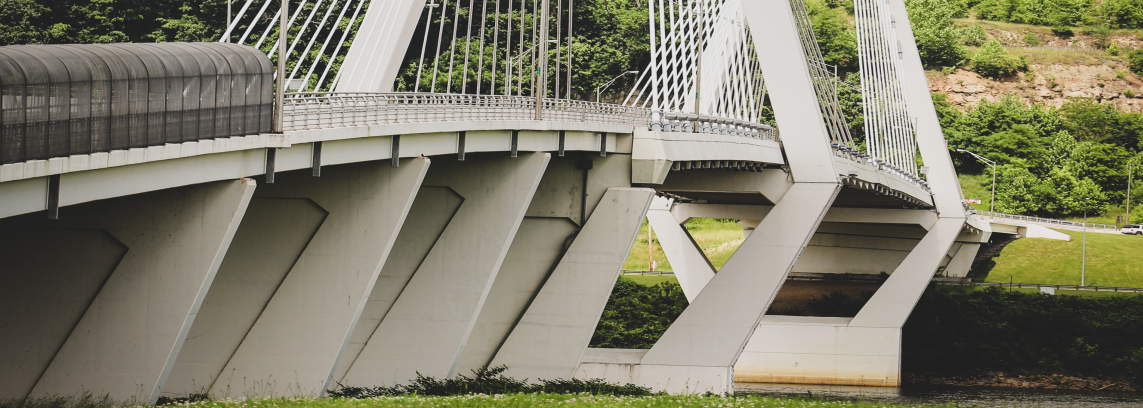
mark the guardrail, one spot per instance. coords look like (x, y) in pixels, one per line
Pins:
(323, 110)
(1048, 221)
(686, 122)
(1057, 287)
(305, 111)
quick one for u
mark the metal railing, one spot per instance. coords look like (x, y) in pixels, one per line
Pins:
(685, 122)
(1057, 287)
(313, 110)
(1048, 221)
(880, 166)
(305, 111)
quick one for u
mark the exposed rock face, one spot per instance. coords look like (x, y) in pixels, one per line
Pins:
(1051, 85)
(1088, 73)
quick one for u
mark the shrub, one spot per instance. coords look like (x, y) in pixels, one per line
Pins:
(1062, 31)
(1031, 39)
(1113, 49)
(1100, 36)
(973, 35)
(489, 381)
(1129, 93)
(1136, 61)
(993, 61)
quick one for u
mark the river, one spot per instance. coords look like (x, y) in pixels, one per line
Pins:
(960, 396)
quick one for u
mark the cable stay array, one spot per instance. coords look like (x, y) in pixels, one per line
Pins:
(889, 129)
(702, 61)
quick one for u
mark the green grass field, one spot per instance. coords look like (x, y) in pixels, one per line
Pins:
(537, 400)
(1112, 260)
(718, 238)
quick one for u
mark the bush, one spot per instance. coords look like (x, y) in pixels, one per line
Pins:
(1100, 36)
(1136, 61)
(1113, 49)
(1031, 39)
(636, 315)
(489, 381)
(993, 61)
(973, 35)
(955, 330)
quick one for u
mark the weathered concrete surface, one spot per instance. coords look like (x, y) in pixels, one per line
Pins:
(141, 269)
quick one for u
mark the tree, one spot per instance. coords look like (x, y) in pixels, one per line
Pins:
(993, 61)
(834, 32)
(938, 39)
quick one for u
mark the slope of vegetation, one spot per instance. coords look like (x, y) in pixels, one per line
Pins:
(1112, 260)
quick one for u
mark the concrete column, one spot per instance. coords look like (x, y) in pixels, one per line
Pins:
(431, 213)
(697, 353)
(691, 266)
(427, 327)
(553, 333)
(864, 350)
(283, 309)
(547, 232)
(102, 299)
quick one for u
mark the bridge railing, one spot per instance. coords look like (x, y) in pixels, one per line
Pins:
(684, 122)
(305, 111)
(322, 110)
(1048, 221)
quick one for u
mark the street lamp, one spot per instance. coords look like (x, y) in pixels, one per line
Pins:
(599, 89)
(1083, 256)
(991, 201)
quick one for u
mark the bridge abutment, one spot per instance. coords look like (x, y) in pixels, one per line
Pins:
(111, 313)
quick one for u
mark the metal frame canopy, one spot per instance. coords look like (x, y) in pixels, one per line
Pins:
(62, 100)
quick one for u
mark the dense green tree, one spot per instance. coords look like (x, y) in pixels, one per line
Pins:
(835, 34)
(993, 61)
(938, 39)
(1122, 13)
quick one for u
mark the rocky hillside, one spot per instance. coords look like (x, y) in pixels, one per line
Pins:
(1060, 67)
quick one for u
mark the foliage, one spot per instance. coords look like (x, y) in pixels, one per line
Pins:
(1123, 13)
(545, 400)
(1056, 13)
(1100, 35)
(973, 35)
(938, 39)
(1031, 39)
(1136, 61)
(993, 61)
(954, 330)
(489, 381)
(835, 34)
(106, 21)
(636, 315)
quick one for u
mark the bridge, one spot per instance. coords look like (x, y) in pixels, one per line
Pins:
(174, 221)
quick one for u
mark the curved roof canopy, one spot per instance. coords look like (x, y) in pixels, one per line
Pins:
(61, 100)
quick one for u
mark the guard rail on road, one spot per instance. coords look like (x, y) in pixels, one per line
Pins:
(1049, 221)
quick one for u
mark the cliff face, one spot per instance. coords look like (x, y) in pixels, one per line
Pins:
(1059, 68)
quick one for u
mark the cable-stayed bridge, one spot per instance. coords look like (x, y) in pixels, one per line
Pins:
(268, 216)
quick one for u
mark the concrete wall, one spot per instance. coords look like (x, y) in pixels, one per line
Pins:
(429, 324)
(309, 262)
(112, 316)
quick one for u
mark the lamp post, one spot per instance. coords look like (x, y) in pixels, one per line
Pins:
(991, 201)
(1083, 254)
(599, 89)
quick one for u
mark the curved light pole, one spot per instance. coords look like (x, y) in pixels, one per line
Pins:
(599, 89)
(991, 201)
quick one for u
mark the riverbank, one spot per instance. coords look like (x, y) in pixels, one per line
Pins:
(995, 379)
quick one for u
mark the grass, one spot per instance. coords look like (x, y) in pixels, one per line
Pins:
(651, 280)
(1080, 293)
(1112, 260)
(717, 237)
(538, 400)
(977, 186)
